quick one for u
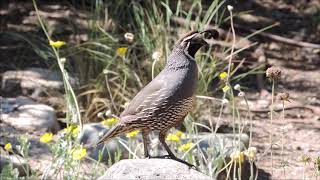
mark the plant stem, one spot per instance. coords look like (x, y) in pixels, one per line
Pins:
(282, 140)
(68, 88)
(271, 124)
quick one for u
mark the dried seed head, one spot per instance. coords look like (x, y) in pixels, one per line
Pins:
(274, 73)
(237, 87)
(156, 55)
(100, 115)
(284, 96)
(230, 8)
(241, 94)
(129, 37)
(108, 113)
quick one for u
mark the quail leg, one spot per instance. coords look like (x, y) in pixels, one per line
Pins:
(162, 136)
(146, 140)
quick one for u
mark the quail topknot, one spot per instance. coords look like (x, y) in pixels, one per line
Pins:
(168, 98)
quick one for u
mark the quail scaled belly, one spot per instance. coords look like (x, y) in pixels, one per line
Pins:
(168, 98)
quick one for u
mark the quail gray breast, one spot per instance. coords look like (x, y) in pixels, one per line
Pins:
(168, 98)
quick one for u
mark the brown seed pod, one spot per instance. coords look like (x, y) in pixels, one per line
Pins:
(274, 73)
(284, 96)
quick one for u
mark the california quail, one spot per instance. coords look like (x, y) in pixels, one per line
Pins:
(168, 98)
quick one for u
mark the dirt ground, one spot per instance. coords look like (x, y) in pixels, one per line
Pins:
(299, 22)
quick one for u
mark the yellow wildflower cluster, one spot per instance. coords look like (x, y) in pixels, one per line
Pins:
(237, 156)
(251, 153)
(185, 147)
(46, 138)
(71, 129)
(223, 75)
(78, 154)
(57, 44)
(225, 88)
(110, 121)
(122, 51)
(180, 134)
(132, 134)
(8, 147)
(175, 137)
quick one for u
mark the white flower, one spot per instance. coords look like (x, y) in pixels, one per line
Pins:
(230, 8)
(237, 87)
(129, 37)
(100, 115)
(108, 113)
(156, 55)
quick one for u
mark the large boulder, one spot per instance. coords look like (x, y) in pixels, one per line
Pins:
(33, 81)
(25, 114)
(136, 169)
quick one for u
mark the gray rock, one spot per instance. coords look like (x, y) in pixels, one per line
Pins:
(92, 132)
(136, 169)
(25, 114)
(34, 80)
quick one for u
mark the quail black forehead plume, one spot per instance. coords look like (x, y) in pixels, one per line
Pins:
(208, 34)
(186, 35)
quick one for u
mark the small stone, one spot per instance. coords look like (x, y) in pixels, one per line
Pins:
(274, 46)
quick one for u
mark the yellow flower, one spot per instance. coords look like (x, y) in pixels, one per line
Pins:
(223, 75)
(305, 158)
(173, 137)
(251, 152)
(185, 147)
(46, 138)
(180, 134)
(225, 88)
(121, 51)
(71, 129)
(57, 44)
(132, 134)
(75, 131)
(237, 156)
(110, 121)
(78, 154)
(8, 147)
